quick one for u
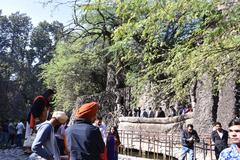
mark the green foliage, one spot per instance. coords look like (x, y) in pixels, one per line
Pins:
(76, 70)
(79, 65)
(23, 48)
(170, 44)
(215, 53)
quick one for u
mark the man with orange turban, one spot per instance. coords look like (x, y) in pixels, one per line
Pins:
(84, 139)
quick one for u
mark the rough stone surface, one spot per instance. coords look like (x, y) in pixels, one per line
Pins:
(107, 102)
(12, 154)
(164, 125)
(204, 106)
(17, 154)
(146, 100)
(226, 106)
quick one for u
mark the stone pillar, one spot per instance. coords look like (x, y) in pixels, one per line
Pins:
(111, 83)
(193, 94)
(226, 106)
(204, 105)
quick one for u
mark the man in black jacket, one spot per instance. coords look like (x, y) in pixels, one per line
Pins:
(84, 139)
(219, 138)
(188, 137)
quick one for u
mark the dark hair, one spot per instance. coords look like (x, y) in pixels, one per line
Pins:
(48, 92)
(99, 117)
(233, 122)
(115, 128)
(190, 125)
(217, 123)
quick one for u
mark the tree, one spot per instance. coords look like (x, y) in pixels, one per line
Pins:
(23, 49)
(79, 66)
(169, 44)
(75, 70)
(172, 43)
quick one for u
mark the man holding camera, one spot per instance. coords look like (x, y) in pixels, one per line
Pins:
(188, 137)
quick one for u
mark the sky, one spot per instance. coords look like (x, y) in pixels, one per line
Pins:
(35, 10)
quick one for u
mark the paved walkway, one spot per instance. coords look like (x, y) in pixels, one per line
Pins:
(12, 154)
(124, 157)
(18, 154)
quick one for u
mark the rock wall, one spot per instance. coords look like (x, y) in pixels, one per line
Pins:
(226, 106)
(146, 100)
(203, 119)
(164, 125)
(108, 105)
(105, 99)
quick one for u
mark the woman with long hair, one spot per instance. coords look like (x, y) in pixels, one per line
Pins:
(113, 141)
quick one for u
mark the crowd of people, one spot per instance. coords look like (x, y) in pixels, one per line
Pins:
(87, 138)
(220, 139)
(11, 134)
(52, 139)
(158, 112)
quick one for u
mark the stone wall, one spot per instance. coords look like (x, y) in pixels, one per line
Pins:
(208, 108)
(203, 119)
(226, 106)
(164, 125)
(105, 99)
(108, 105)
(146, 100)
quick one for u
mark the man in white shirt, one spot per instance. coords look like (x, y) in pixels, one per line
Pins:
(20, 128)
(220, 139)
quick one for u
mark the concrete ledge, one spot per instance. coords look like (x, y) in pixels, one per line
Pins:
(165, 120)
(164, 125)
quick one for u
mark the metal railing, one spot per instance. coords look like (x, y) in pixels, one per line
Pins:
(156, 145)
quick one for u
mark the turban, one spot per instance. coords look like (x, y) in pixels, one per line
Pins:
(87, 110)
(60, 116)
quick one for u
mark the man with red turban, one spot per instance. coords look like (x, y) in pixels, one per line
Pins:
(84, 140)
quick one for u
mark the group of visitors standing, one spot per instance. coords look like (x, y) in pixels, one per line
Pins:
(150, 113)
(11, 133)
(219, 138)
(85, 139)
(158, 112)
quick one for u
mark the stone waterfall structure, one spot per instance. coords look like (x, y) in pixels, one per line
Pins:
(164, 125)
(158, 135)
(208, 109)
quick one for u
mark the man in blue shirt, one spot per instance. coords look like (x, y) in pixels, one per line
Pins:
(233, 152)
(45, 145)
